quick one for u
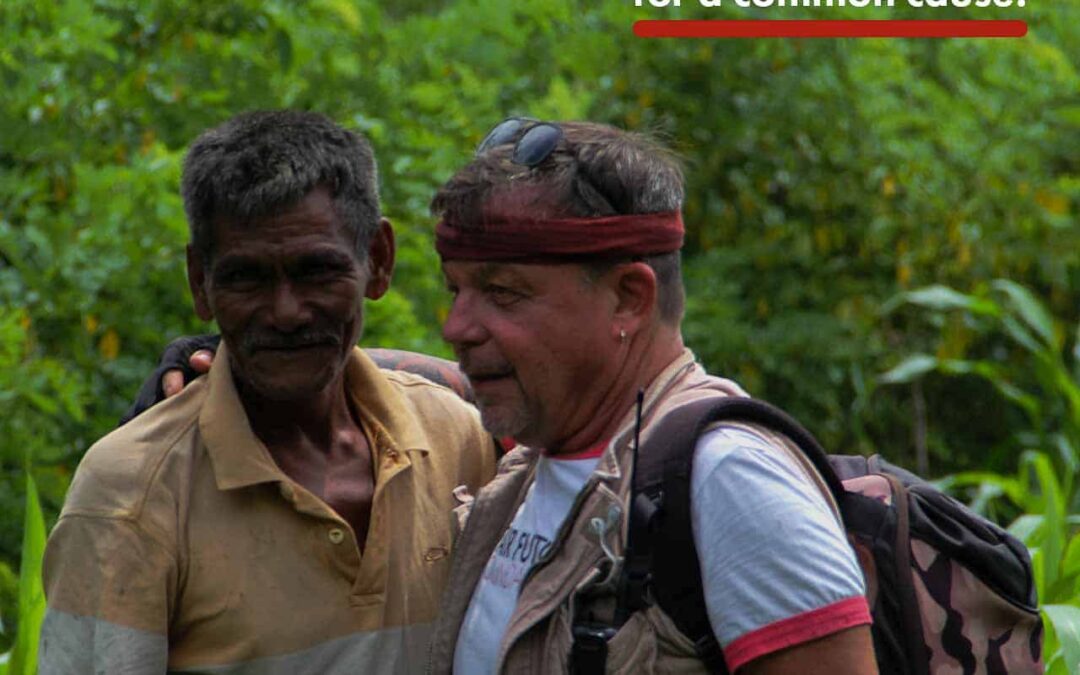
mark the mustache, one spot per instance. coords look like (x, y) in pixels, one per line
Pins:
(297, 340)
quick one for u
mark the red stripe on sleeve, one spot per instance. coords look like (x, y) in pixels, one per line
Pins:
(796, 630)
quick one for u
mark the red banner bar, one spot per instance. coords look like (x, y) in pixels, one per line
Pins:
(792, 28)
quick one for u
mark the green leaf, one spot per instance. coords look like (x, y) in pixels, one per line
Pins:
(346, 12)
(1056, 664)
(1076, 345)
(1037, 568)
(284, 45)
(910, 369)
(942, 298)
(1031, 404)
(31, 593)
(1065, 620)
(1070, 563)
(1030, 310)
(42, 402)
(1025, 527)
(1021, 335)
(988, 481)
(1068, 455)
(1053, 511)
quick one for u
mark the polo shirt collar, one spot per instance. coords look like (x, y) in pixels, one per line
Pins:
(240, 459)
(386, 414)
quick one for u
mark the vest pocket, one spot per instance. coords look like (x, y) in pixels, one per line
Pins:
(633, 648)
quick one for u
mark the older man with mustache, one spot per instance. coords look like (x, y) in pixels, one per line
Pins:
(286, 514)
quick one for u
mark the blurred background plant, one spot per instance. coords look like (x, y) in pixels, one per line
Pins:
(825, 179)
(30, 596)
(1032, 362)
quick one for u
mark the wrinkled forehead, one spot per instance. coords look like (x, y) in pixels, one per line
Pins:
(480, 272)
(522, 275)
(312, 221)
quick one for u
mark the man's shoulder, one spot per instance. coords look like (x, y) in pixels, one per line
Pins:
(118, 472)
(409, 380)
(425, 397)
(445, 425)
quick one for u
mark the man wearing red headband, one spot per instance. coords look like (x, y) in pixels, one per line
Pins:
(560, 244)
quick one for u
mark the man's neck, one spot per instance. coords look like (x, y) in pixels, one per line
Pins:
(318, 443)
(316, 419)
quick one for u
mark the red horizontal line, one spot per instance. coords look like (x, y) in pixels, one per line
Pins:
(793, 28)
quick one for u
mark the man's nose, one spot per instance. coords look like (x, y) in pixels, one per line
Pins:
(288, 309)
(463, 326)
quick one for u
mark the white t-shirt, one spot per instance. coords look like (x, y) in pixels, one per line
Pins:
(557, 483)
(776, 567)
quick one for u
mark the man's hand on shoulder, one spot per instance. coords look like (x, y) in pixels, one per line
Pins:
(173, 381)
(183, 360)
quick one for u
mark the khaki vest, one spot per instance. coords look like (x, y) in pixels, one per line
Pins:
(538, 638)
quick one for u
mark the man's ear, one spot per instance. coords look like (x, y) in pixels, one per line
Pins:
(636, 293)
(196, 274)
(380, 261)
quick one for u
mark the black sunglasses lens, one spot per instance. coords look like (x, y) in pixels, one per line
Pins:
(537, 143)
(503, 132)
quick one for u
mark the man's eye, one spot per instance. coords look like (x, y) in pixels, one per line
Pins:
(319, 270)
(316, 270)
(240, 276)
(502, 295)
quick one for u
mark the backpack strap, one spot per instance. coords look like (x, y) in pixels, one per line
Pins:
(905, 578)
(660, 513)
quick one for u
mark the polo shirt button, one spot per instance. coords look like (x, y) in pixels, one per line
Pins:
(336, 535)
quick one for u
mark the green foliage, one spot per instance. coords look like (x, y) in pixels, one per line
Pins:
(22, 660)
(1063, 639)
(9, 603)
(1016, 347)
(824, 179)
(1027, 361)
(828, 176)
(43, 403)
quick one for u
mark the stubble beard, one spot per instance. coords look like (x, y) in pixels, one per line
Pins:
(503, 420)
(270, 388)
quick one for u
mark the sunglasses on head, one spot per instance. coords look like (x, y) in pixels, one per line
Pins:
(532, 147)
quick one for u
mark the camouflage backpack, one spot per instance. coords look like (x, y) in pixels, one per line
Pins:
(949, 591)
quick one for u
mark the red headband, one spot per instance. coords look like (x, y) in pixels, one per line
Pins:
(520, 238)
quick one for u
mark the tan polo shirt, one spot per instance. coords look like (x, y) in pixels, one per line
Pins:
(183, 547)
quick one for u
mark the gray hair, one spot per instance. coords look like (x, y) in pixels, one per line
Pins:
(595, 170)
(261, 161)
